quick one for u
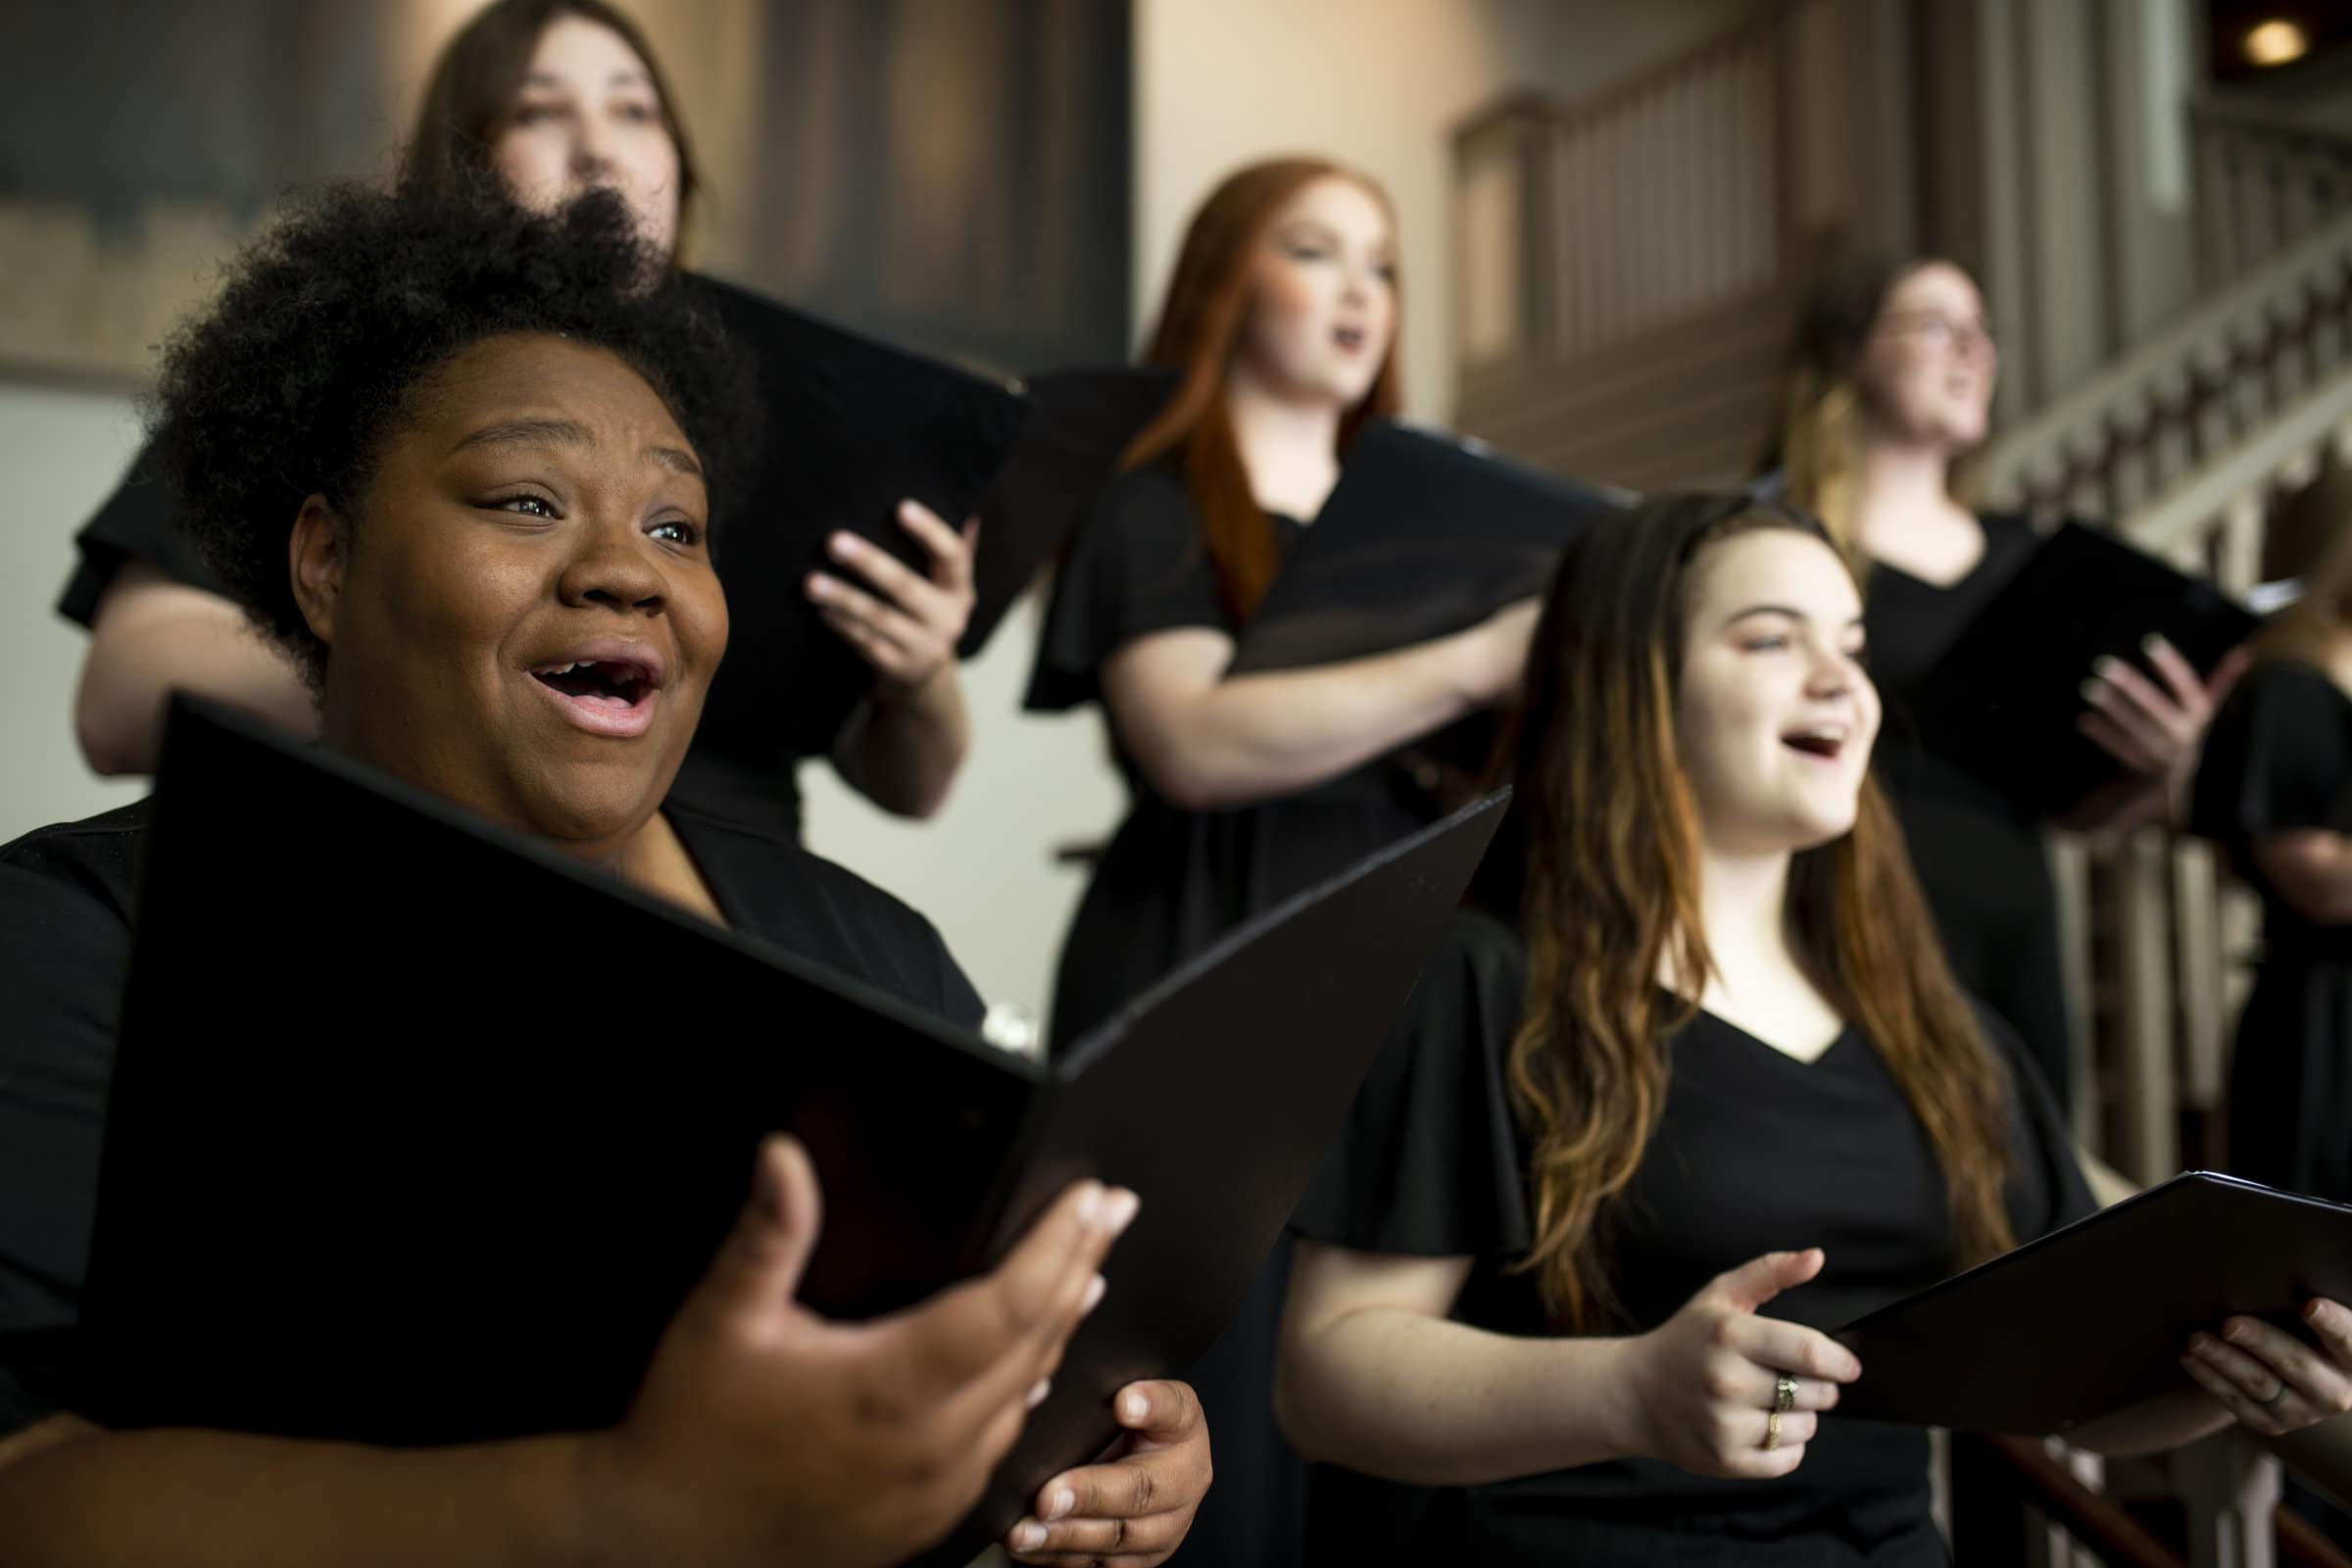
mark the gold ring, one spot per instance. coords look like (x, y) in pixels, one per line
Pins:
(1784, 1394)
(1772, 1430)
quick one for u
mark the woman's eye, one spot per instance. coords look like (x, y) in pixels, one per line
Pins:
(534, 505)
(533, 113)
(678, 531)
(637, 114)
(1308, 253)
(1765, 645)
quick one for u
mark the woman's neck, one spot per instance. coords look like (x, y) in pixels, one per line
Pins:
(1904, 513)
(1758, 982)
(1289, 445)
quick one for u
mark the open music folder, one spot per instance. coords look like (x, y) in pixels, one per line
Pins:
(469, 1208)
(2094, 1318)
(2004, 699)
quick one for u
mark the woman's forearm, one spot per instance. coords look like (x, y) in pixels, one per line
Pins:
(196, 1498)
(901, 750)
(1258, 736)
(153, 636)
(1407, 1397)
(2167, 1421)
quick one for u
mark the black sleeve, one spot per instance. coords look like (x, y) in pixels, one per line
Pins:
(139, 521)
(2276, 757)
(2046, 1190)
(1138, 566)
(1429, 1162)
(65, 940)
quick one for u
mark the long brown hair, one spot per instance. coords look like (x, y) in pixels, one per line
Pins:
(1200, 328)
(469, 98)
(1610, 900)
(1816, 437)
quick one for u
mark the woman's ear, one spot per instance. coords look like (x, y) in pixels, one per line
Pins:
(316, 552)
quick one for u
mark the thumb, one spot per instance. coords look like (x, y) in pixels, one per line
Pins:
(1759, 1280)
(758, 1267)
(2225, 673)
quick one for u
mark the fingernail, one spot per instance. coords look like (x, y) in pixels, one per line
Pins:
(1038, 1392)
(1133, 1407)
(1120, 1212)
(820, 588)
(1059, 1502)
(1090, 1203)
(2315, 1313)
(843, 546)
(2150, 643)
(1028, 1535)
(1094, 1295)
(2235, 1334)
(2091, 688)
(2106, 667)
(2199, 1344)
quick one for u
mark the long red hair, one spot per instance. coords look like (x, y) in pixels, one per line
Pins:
(1198, 333)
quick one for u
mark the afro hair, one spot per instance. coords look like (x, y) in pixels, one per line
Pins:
(329, 326)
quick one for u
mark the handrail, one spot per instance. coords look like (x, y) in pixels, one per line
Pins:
(2161, 526)
(2269, 121)
(2244, 311)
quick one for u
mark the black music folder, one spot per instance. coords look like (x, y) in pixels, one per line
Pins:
(1426, 533)
(2003, 700)
(851, 427)
(1080, 424)
(469, 1210)
(2094, 1318)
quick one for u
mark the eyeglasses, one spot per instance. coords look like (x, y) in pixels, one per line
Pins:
(1941, 331)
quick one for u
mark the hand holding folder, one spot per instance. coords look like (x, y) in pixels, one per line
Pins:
(2093, 1319)
(455, 1225)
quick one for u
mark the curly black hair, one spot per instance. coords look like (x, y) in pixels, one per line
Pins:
(329, 326)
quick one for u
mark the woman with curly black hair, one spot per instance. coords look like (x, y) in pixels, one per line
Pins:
(459, 463)
(551, 98)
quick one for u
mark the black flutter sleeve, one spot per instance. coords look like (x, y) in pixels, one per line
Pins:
(1429, 1163)
(1138, 566)
(139, 521)
(2279, 756)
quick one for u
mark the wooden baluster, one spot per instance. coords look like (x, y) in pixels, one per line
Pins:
(2148, 1102)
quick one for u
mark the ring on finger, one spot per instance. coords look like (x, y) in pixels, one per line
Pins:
(2277, 1396)
(1784, 1394)
(1772, 1430)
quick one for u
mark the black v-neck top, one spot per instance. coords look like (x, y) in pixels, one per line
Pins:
(1755, 1151)
(68, 895)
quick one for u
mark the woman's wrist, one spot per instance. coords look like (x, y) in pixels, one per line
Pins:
(1602, 1379)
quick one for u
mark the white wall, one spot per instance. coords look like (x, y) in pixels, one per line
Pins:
(63, 451)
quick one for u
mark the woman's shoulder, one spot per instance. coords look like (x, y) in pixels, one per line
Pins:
(94, 862)
(787, 895)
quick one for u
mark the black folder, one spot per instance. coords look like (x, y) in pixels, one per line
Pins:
(851, 427)
(459, 1217)
(1425, 534)
(2094, 1318)
(1080, 424)
(2003, 700)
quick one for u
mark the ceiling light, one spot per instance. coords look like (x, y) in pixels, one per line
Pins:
(2275, 42)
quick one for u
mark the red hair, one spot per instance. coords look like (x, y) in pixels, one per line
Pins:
(1199, 328)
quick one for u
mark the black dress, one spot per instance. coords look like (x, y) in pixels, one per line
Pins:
(740, 763)
(1755, 1151)
(1172, 882)
(67, 896)
(1980, 855)
(2279, 756)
